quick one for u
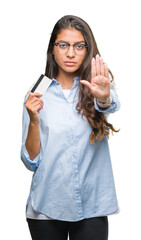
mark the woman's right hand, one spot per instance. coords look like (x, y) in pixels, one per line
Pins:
(33, 105)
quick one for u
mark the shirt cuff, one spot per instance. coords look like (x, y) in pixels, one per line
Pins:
(105, 104)
(112, 108)
(30, 164)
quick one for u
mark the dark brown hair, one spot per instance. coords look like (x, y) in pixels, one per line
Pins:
(85, 105)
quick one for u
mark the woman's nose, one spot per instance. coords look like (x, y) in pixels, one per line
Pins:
(70, 52)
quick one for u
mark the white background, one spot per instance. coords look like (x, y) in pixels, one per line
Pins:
(25, 28)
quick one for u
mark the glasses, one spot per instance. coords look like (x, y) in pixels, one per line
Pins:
(79, 48)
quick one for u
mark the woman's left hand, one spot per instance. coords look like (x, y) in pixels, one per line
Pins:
(100, 82)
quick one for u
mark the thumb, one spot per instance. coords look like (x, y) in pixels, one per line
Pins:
(87, 84)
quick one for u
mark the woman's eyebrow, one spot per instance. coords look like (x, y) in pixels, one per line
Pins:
(74, 42)
(80, 42)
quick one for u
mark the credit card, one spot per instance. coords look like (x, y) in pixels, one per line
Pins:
(41, 85)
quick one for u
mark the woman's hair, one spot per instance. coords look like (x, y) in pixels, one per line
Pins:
(85, 105)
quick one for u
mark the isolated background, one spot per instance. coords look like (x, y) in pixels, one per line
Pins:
(25, 28)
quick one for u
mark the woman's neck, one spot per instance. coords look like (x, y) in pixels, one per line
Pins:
(66, 80)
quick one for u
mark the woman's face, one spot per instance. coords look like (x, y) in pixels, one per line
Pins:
(69, 58)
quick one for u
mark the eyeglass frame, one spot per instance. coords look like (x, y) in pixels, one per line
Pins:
(73, 45)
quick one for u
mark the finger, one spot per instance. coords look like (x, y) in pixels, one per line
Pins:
(35, 107)
(32, 102)
(97, 65)
(35, 94)
(87, 84)
(38, 107)
(36, 103)
(106, 72)
(93, 68)
(36, 99)
(101, 67)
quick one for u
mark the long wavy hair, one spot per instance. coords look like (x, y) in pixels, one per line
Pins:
(85, 105)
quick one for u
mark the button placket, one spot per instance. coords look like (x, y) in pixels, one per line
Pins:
(75, 176)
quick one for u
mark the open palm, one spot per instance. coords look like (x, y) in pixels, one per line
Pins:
(100, 82)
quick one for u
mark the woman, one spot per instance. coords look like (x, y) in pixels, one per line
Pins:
(65, 142)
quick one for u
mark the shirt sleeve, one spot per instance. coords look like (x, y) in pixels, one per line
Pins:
(30, 164)
(115, 105)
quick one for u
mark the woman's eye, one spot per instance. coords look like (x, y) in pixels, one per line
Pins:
(62, 45)
(80, 46)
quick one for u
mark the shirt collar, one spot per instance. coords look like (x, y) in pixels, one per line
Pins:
(76, 80)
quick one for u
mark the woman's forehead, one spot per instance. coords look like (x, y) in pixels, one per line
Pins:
(70, 35)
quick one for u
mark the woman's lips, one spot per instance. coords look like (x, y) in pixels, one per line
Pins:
(70, 63)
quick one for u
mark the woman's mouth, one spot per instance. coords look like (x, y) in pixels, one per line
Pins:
(70, 63)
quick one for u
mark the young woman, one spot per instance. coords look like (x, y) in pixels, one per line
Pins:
(65, 140)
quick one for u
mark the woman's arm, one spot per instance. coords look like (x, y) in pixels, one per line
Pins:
(33, 105)
(32, 143)
(105, 97)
